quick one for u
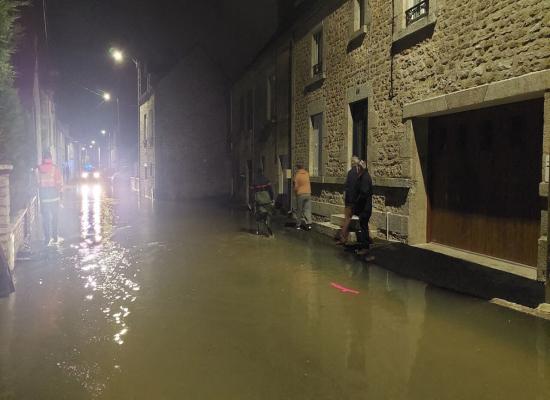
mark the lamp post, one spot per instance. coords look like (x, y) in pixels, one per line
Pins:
(107, 97)
(119, 57)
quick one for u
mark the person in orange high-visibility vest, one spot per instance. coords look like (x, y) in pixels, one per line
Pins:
(50, 189)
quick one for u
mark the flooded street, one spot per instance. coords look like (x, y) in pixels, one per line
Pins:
(180, 301)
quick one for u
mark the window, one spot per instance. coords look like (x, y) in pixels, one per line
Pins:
(316, 148)
(416, 9)
(317, 53)
(412, 16)
(271, 98)
(151, 131)
(359, 113)
(358, 14)
(249, 110)
(242, 113)
(145, 130)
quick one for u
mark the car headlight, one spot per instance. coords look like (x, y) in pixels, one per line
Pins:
(96, 175)
(85, 175)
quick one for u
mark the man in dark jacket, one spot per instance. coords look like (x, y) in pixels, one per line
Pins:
(363, 205)
(349, 198)
(262, 193)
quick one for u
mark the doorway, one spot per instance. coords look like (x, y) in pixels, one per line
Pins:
(484, 174)
(360, 115)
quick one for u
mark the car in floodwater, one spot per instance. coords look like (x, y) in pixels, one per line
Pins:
(91, 176)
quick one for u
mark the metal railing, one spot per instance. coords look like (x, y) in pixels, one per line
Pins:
(417, 12)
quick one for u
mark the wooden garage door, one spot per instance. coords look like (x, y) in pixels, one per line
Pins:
(484, 174)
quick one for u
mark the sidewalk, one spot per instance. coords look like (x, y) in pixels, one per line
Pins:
(458, 274)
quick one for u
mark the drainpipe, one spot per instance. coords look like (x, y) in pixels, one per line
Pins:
(291, 118)
(392, 21)
(387, 226)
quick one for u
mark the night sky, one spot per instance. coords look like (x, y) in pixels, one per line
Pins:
(80, 33)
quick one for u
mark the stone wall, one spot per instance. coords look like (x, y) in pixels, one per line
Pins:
(266, 142)
(461, 45)
(15, 231)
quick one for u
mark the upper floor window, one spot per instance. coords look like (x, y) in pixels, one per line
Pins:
(271, 98)
(145, 130)
(317, 53)
(416, 9)
(241, 113)
(316, 147)
(359, 8)
(249, 110)
(412, 16)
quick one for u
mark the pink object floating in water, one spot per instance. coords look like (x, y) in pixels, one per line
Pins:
(343, 289)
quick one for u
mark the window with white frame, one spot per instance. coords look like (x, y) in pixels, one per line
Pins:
(316, 145)
(415, 10)
(359, 8)
(144, 130)
(317, 53)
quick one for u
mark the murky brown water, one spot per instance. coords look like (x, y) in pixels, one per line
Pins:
(180, 302)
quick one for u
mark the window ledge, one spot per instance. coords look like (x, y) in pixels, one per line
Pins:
(328, 179)
(357, 37)
(315, 82)
(392, 182)
(416, 26)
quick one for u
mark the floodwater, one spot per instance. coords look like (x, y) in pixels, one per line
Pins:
(180, 301)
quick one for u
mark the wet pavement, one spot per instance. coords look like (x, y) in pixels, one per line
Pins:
(180, 301)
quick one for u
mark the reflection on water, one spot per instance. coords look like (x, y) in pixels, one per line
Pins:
(156, 304)
(104, 264)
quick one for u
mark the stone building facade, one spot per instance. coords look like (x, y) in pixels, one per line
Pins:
(260, 123)
(447, 101)
(147, 135)
(183, 132)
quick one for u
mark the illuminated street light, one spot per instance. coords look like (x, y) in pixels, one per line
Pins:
(117, 55)
(103, 131)
(107, 96)
(84, 149)
(93, 141)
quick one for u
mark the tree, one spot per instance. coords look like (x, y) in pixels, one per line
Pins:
(15, 138)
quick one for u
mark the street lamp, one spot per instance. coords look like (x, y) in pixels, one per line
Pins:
(92, 142)
(103, 132)
(107, 96)
(118, 56)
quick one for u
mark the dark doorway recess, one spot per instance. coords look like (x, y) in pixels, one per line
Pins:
(484, 174)
(360, 116)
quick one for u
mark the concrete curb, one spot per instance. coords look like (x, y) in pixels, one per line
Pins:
(458, 275)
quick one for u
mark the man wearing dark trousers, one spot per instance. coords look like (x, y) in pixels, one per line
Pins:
(50, 187)
(363, 206)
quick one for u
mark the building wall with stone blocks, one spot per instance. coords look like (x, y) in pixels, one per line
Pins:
(191, 125)
(458, 45)
(260, 129)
